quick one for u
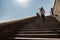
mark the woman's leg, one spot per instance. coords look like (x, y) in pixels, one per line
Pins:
(43, 17)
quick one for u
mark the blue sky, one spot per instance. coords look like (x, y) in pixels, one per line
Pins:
(11, 9)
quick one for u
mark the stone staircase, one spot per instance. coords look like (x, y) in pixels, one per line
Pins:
(37, 29)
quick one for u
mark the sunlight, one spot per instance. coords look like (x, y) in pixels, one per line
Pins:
(24, 3)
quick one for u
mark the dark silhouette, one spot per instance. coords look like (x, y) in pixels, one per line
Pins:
(52, 11)
(42, 11)
(37, 14)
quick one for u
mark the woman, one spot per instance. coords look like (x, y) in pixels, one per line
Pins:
(42, 11)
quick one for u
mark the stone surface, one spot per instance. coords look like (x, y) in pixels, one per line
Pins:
(56, 9)
(36, 29)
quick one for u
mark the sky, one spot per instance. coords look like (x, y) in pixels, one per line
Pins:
(19, 9)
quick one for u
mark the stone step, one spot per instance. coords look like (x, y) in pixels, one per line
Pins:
(38, 35)
(37, 32)
(33, 33)
(40, 29)
(23, 38)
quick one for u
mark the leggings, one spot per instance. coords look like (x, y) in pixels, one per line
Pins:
(43, 16)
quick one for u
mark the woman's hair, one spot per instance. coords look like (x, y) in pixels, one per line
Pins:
(41, 8)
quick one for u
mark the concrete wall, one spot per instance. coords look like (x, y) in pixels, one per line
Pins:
(56, 9)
